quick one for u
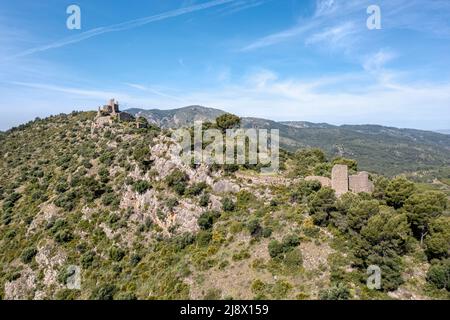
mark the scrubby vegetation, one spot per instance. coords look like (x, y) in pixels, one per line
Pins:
(105, 199)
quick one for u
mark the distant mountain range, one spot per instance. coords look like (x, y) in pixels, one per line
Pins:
(445, 131)
(380, 149)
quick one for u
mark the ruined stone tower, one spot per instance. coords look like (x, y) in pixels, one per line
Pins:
(341, 182)
(339, 179)
(360, 182)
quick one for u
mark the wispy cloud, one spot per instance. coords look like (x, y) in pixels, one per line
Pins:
(122, 26)
(332, 17)
(339, 36)
(241, 5)
(323, 20)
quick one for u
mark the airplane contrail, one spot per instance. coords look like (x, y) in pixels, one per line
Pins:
(121, 26)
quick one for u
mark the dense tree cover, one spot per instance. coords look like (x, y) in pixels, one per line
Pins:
(439, 274)
(310, 161)
(437, 241)
(350, 163)
(381, 226)
(423, 209)
(398, 191)
(322, 204)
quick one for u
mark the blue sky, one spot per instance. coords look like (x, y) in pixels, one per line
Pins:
(312, 60)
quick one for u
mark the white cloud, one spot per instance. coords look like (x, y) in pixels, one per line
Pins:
(377, 61)
(265, 94)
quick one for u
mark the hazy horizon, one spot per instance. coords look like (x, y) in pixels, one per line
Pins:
(441, 130)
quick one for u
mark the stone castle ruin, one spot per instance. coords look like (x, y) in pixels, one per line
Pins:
(109, 112)
(342, 183)
(112, 110)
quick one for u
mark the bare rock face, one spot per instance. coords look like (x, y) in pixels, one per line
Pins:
(22, 288)
(186, 216)
(166, 159)
(47, 213)
(101, 122)
(215, 203)
(225, 186)
(50, 258)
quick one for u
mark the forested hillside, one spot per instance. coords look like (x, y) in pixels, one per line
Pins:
(141, 224)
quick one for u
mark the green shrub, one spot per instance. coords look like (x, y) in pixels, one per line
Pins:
(142, 156)
(204, 200)
(28, 254)
(437, 242)
(338, 292)
(255, 228)
(63, 236)
(276, 249)
(171, 203)
(294, 258)
(87, 259)
(116, 254)
(196, 189)
(135, 259)
(104, 292)
(398, 191)
(304, 189)
(178, 181)
(110, 199)
(281, 289)
(267, 232)
(141, 186)
(290, 241)
(184, 240)
(241, 255)
(207, 219)
(439, 275)
(228, 205)
(204, 237)
(228, 121)
(322, 204)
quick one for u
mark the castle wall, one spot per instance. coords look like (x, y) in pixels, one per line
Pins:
(361, 183)
(339, 179)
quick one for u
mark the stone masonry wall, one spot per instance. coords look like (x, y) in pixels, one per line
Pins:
(361, 183)
(339, 179)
